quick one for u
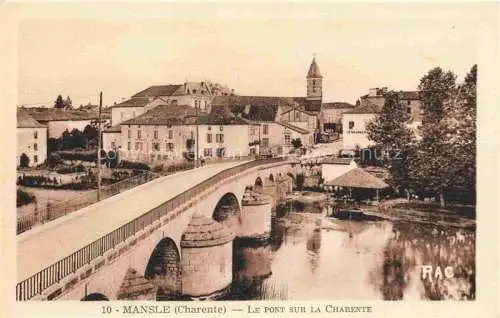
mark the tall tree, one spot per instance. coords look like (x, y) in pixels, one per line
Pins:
(434, 166)
(59, 103)
(391, 134)
(68, 104)
(464, 111)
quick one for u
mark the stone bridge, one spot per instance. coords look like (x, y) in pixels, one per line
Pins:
(168, 238)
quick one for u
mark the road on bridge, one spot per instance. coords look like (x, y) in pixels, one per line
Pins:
(51, 242)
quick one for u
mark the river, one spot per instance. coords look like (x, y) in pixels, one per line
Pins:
(315, 257)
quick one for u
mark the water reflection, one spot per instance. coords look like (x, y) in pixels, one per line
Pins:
(310, 256)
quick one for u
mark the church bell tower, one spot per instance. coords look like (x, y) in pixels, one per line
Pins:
(314, 82)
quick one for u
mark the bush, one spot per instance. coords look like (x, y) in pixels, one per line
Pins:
(296, 143)
(124, 164)
(180, 166)
(54, 159)
(72, 169)
(90, 156)
(24, 197)
(158, 168)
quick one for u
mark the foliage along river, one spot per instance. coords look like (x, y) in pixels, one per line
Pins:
(315, 257)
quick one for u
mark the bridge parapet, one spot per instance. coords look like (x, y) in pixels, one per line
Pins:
(105, 249)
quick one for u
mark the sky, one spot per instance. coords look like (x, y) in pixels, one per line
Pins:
(257, 51)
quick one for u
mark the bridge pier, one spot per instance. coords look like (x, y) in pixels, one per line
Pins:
(255, 217)
(207, 258)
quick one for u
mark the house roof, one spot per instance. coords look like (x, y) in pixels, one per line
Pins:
(302, 110)
(337, 105)
(337, 161)
(24, 120)
(160, 90)
(314, 70)
(54, 114)
(312, 105)
(368, 109)
(358, 178)
(411, 95)
(133, 102)
(293, 127)
(255, 108)
(165, 115)
(222, 115)
(405, 95)
(113, 129)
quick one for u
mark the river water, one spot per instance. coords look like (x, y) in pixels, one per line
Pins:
(314, 257)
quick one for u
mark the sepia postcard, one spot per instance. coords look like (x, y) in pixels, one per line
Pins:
(217, 159)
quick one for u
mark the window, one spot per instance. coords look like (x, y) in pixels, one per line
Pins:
(138, 146)
(170, 146)
(155, 146)
(209, 138)
(408, 110)
(35, 134)
(170, 134)
(129, 133)
(265, 142)
(192, 135)
(287, 139)
(113, 145)
(219, 138)
(35, 158)
(265, 129)
(35, 146)
(128, 146)
(139, 132)
(207, 152)
(351, 124)
(297, 116)
(409, 102)
(314, 82)
(209, 128)
(155, 134)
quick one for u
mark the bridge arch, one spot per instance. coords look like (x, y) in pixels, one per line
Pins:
(228, 210)
(95, 297)
(271, 178)
(164, 268)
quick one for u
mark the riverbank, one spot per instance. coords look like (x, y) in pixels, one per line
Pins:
(430, 216)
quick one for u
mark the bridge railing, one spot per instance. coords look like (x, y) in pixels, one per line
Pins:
(54, 273)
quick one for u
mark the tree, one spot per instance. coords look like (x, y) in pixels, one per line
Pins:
(68, 104)
(24, 160)
(54, 159)
(59, 103)
(296, 143)
(90, 134)
(434, 166)
(463, 121)
(394, 139)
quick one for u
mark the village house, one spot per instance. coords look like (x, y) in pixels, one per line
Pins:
(31, 139)
(410, 99)
(169, 133)
(332, 116)
(270, 113)
(60, 120)
(354, 124)
(194, 94)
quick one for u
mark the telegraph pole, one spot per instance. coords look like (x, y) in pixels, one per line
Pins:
(99, 149)
(196, 163)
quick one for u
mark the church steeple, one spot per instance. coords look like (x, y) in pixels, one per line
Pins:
(314, 82)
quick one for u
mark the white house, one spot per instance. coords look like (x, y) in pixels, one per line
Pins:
(354, 124)
(60, 120)
(170, 133)
(31, 139)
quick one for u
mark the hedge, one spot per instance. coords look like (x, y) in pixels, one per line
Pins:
(23, 198)
(124, 164)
